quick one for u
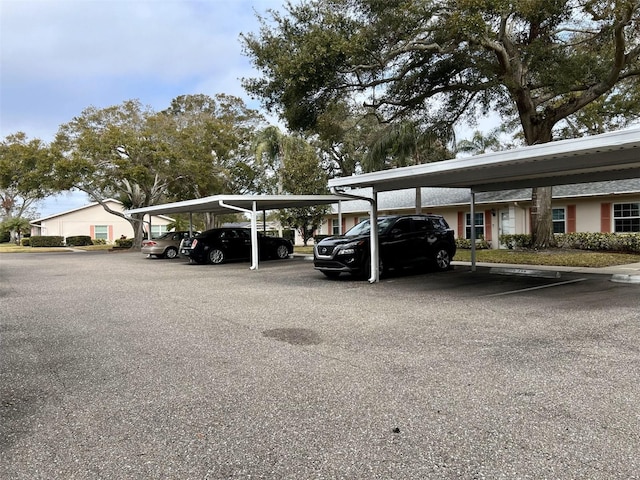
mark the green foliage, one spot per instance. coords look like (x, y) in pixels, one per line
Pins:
(17, 225)
(610, 242)
(124, 242)
(516, 241)
(550, 67)
(24, 165)
(596, 241)
(78, 241)
(98, 241)
(25, 242)
(465, 244)
(46, 241)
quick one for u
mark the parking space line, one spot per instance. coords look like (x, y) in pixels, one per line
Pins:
(536, 288)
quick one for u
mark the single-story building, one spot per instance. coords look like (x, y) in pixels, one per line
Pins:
(93, 220)
(611, 206)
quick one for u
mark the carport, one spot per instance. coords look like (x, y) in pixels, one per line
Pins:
(249, 204)
(609, 156)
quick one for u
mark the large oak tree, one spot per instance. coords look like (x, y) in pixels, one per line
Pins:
(24, 165)
(550, 66)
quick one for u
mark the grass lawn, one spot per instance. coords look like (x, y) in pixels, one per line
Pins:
(13, 248)
(554, 257)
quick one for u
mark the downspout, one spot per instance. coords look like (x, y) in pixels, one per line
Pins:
(254, 230)
(373, 220)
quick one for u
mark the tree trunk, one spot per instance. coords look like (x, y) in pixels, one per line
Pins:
(136, 222)
(209, 221)
(541, 218)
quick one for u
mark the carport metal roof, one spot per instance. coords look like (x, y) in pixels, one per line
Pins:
(609, 156)
(251, 204)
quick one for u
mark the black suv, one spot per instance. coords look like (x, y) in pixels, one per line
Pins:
(221, 244)
(404, 241)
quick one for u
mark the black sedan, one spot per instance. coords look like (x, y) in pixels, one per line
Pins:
(403, 240)
(221, 244)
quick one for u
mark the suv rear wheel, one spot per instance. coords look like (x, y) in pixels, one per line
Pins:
(442, 259)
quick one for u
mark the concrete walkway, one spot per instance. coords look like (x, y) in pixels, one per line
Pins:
(629, 273)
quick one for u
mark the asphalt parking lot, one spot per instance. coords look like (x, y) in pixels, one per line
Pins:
(116, 366)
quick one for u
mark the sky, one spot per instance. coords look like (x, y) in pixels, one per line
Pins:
(59, 57)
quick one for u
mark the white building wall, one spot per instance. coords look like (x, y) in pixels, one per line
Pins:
(84, 220)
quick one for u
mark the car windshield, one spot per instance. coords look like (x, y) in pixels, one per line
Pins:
(364, 227)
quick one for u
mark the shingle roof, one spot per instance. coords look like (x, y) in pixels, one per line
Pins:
(440, 197)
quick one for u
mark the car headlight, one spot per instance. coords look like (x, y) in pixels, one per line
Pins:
(350, 248)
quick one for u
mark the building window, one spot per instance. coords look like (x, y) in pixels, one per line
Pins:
(158, 230)
(559, 216)
(479, 224)
(626, 217)
(335, 227)
(101, 232)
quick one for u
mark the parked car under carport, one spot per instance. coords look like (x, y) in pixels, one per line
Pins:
(165, 246)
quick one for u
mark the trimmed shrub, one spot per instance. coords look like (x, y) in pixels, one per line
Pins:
(607, 242)
(46, 241)
(518, 240)
(25, 242)
(79, 241)
(99, 241)
(124, 242)
(465, 244)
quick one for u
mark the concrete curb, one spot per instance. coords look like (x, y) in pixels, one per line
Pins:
(623, 278)
(526, 272)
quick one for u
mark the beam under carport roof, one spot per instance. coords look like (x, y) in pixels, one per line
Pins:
(251, 204)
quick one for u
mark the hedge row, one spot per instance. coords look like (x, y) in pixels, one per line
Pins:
(46, 241)
(607, 242)
(465, 244)
(79, 241)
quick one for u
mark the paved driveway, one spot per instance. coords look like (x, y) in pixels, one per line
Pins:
(117, 366)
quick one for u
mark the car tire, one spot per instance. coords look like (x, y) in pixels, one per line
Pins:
(216, 256)
(170, 253)
(442, 259)
(282, 252)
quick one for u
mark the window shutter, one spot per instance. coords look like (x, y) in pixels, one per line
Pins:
(460, 224)
(487, 225)
(605, 217)
(571, 218)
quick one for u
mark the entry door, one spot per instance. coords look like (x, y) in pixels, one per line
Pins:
(507, 224)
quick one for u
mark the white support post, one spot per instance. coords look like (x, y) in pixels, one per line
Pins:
(254, 237)
(473, 231)
(375, 254)
(253, 213)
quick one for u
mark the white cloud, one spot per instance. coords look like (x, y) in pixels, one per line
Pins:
(61, 56)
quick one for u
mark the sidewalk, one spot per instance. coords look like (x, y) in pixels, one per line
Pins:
(629, 273)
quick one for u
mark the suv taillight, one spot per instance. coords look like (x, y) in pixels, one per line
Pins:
(194, 243)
